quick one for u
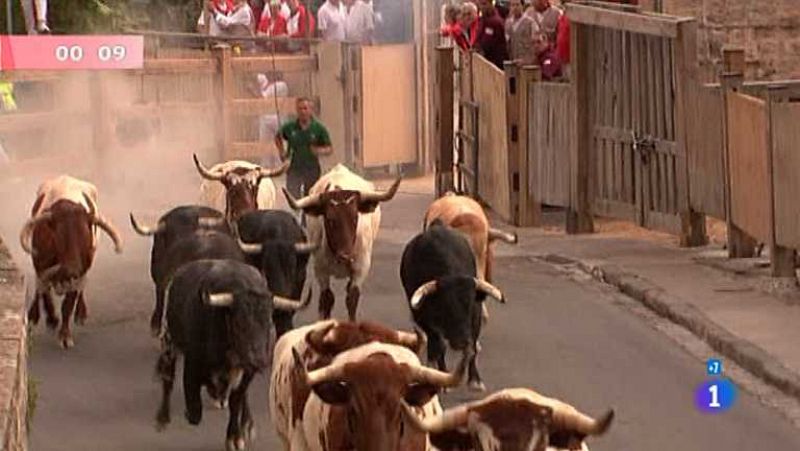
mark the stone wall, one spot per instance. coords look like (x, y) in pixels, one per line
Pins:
(13, 356)
(769, 31)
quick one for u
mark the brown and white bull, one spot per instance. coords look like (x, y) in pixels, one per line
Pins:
(318, 344)
(356, 401)
(61, 236)
(238, 187)
(344, 217)
(516, 419)
(468, 217)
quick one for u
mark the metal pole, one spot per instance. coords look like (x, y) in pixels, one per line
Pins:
(9, 17)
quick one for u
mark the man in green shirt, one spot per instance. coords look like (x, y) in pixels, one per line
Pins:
(307, 139)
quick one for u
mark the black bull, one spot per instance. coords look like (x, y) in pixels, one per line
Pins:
(218, 318)
(438, 274)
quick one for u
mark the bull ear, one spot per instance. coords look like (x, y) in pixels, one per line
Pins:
(333, 392)
(418, 395)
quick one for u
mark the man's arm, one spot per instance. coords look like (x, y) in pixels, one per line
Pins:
(323, 145)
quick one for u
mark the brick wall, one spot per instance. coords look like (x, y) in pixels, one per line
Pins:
(769, 31)
(13, 356)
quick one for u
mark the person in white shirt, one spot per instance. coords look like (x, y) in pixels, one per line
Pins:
(239, 22)
(330, 20)
(359, 24)
(270, 86)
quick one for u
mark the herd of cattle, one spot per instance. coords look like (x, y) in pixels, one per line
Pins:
(230, 276)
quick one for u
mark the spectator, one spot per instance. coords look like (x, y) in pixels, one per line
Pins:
(451, 28)
(520, 31)
(330, 18)
(469, 26)
(272, 22)
(359, 23)
(562, 42)
(547, 58)
(307, 140)
(546, 16)
(238, 22)
(300, 24)
(270, 86)
(491, 34)
(206, 23)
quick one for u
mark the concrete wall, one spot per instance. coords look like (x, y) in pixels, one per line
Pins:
(13, 356)
(769, 31)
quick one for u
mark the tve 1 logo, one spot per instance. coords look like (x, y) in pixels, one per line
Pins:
(715, 395)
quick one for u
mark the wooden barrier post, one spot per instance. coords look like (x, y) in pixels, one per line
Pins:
(443, 108)
(513, 138)
(740, 244)
(579, 214)
(225, 94)
(782, 259)
(530, 208)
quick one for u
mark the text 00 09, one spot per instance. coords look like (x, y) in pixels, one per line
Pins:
(75, 53)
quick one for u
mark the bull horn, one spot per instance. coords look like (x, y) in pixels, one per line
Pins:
(496, 234)
(329, 373)
(377, 196)
(90, 202)
(440, 378)
(450, 419)
(424, 290)
(218, 299)
(145, 230)
(250, 248)
(573, 420)
(107, 227)
(274, 172)
(305, 248)
(299, 204)
(291, 305)
(208, 175)
(490, 290)
(27, 230)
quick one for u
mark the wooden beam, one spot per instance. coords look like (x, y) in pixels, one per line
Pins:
(178, 66)
(21, 122)
(244, 107)
(444, 114)
(513, 138)
(530, 207)
(657, 25)
(225, 93)
(33, 75)
(282, 63)
(782, 259)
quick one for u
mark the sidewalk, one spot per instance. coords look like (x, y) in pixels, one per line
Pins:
(717, 299)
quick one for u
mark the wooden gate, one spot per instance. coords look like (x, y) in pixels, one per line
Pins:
(632, 73)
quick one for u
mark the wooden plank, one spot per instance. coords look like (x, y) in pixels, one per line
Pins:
(22, 122)
(248, 107)
(281, 63)
(579, 216)
(443, 112)
(614, 209)
(747, 129)
(669, 88)
(786, 163)
(31, 75)
(706, 148)
(660, 25)
(178, 66)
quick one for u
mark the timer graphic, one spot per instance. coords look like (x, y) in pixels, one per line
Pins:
(71, 52)
(717, 394)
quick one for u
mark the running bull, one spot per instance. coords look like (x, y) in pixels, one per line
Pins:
(344, 218)
(516, 419)
(468, 217)
(218, 318)
(318, 344)
(182, 235)
(276, 244)
(438, 274)
(356, 400)
(61, 237)
(247, 186)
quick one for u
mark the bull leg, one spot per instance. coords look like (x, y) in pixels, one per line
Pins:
(353, 295)
(81, 313)
(192, 378)
(474, 377)
(326, 300)
(236, 435)
(50, 311)
(33, 311)
(436, 351)
(165, 368)
(158, 313)
(67, 308)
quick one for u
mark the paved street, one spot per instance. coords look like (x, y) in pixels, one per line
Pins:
(565, 338)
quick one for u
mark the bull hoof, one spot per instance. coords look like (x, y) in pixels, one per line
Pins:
(477, 386)
(237, 444)
(67, 342)
(162, 420)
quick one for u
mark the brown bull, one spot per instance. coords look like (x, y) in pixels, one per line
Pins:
(61, 237)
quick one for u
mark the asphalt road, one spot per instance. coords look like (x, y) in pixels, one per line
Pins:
(565, 338)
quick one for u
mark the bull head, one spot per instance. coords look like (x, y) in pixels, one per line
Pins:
(338, 336)
(339, 210)
(241, 186)
(530, 422)
(432, 286)
(371, 390)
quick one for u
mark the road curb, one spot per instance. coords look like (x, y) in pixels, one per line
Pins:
(744, 353)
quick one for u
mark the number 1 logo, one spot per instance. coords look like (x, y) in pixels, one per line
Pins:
(715, 396)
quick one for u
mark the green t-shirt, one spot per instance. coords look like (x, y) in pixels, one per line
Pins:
(300, 141)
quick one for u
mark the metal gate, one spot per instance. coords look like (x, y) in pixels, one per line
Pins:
(637, 70)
